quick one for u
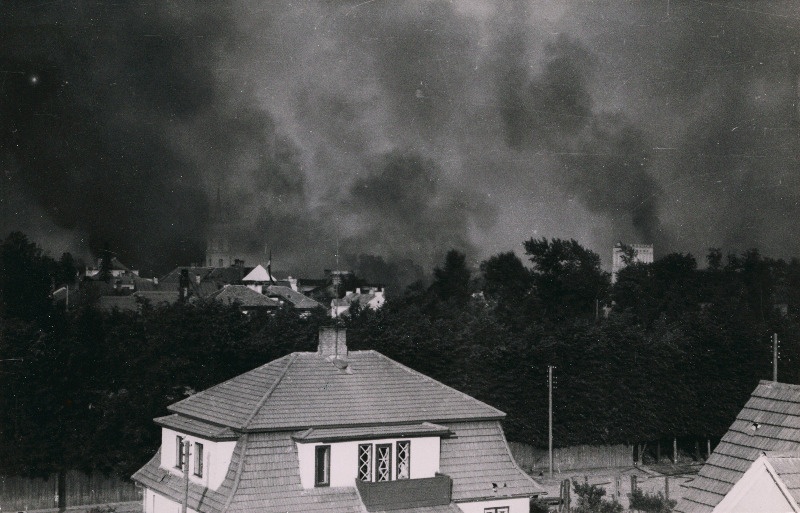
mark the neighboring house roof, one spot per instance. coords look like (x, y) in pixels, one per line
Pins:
(770, 421)
(243, 295)
(298, 300)
(264, 476)
(258, 274)
(303, 390)
(787, 466)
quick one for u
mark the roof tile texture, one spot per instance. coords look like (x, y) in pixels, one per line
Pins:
(305, 390)
(775, 409)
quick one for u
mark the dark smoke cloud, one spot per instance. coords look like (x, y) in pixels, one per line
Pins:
(603, 156)
(398, 129)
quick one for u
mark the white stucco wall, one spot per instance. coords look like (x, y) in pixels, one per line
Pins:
(519, 505)
(156, 503)
(757, 490)
(344, 459)
(216, 458)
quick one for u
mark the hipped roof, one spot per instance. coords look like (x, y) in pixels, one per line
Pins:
(306, 390)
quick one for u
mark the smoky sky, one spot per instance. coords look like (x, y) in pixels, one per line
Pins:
(398, 129)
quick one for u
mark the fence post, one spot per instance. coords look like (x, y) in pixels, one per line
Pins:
(666, 487)
(633, 483)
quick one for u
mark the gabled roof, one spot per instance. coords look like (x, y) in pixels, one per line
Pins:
(770, 421)
(264, 476)
(787, 466)
(258, 274)
(306, 390)
(244, 295)
(298, 300)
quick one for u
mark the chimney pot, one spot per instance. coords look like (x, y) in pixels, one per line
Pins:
(332, 342)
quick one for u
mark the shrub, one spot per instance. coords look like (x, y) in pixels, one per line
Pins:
(641, 501)
(590, 499)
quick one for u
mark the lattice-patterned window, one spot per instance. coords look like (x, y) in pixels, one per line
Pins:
(403, 459)
(501, 509)
(383, 462)
(365, 462)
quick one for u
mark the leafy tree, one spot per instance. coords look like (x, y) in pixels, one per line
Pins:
(567, 278)
(25, 278)
(452, 281)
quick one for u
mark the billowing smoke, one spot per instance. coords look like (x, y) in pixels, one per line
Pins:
(398, 129)
(602, 157)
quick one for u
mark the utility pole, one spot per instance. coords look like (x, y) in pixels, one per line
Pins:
(775, 357)
(550, 416)
(185, 503)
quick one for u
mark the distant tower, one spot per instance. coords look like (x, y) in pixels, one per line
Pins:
(218, 247)
(642, 253)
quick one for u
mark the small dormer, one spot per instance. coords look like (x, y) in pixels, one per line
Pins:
(338, 457)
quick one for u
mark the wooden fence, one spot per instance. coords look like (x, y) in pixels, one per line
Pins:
(534, 459)
(24, 493)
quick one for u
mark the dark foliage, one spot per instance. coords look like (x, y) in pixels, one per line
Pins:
(677, 357)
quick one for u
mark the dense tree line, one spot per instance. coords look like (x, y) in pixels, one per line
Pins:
(669, 350)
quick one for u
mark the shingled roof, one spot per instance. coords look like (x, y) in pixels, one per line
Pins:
(264, 476)
(243, 295)
(305, 390)
(770, 421)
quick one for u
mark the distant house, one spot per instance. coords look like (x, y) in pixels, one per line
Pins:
(258, 278)
(117, 269)
(333, 431)
(756, 466)
(247, 299)
(203, 281)
(297, 300)
(369, 297)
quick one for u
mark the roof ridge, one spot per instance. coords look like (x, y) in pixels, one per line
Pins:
(439, 383)
(238, 477)
(269, 392)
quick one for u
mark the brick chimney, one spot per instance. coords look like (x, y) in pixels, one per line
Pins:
(332, 342)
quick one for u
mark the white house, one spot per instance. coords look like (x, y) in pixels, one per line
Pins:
(369, 297)
(334, 430)
(756, 466)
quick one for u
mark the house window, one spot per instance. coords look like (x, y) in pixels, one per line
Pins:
(383, 462)
(403, 459)
(501, 509)
(322, 466)
(198, 459)
(365, 462)
(178, 452)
